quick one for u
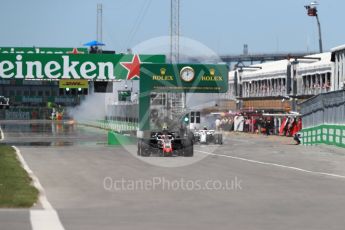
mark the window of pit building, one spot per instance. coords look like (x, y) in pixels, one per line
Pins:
(192, 117)
(47, 93)
(12, 93)
(328, 82)
(40, 93)
(26, 93)
(32, 93)
(158, 99)
(197, 117)
(304, 79)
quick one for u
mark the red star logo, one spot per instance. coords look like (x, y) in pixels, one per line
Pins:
(75, 51)
(132, 67)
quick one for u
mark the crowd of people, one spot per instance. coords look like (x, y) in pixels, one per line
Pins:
(268, 125)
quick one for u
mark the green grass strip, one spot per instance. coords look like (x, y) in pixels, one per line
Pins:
(16, 190)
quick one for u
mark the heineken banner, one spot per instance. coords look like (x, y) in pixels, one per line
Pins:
(95, 67)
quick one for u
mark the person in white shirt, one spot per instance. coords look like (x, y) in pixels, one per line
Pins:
(217, 124)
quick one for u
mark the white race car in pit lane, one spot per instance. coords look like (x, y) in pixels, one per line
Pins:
(4, 102)
(204, 136)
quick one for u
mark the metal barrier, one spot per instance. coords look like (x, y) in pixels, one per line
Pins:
(118, 126)
(127, 112)
(324, 134)
(327, 108)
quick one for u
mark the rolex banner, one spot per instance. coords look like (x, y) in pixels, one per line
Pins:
(178, 78)
(109, 67)
(189, 78)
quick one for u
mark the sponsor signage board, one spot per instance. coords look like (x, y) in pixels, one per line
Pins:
(73, 84)
(103, 67)
(180, 78)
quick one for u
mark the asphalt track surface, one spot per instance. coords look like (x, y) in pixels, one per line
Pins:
(270, 183)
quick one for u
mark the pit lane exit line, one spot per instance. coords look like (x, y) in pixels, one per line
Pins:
(274, 164)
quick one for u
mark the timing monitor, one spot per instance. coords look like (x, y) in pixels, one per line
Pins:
(103, 87)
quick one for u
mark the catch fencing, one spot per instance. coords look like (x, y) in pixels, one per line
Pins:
(324, 119)
(18, 113)
(327, 108)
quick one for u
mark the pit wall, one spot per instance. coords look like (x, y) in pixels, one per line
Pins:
(118, 126)
(120, 139)
(119, 132)
(324, 134)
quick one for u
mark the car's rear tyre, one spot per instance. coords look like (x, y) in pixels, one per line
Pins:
(188, 149)
(144, 149)
(218, 139)
(139, 148)
(179, 152)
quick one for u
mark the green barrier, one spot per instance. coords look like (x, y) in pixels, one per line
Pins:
(324, 134)
(118, 126)
(120, 139)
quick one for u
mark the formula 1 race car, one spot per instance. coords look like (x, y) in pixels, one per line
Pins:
(165, 144)
(4, 102)
(208, 137)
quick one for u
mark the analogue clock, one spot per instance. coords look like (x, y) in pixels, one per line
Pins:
(187, 74)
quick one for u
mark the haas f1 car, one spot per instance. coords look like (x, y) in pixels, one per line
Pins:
(165, 144)
(208, 137)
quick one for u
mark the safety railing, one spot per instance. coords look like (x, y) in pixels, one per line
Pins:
(326, 108)
(118, 126)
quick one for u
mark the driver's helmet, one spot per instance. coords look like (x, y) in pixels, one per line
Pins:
(165, 126)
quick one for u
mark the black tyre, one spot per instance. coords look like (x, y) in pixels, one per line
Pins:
(146, 151)
(139, 148)
(144, 148)
(209, 139)
(189, 151)
(188, 148)
(218, 139)
(179, 152)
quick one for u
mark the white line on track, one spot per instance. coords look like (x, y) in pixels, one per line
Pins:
(48, 217)
(274, 164)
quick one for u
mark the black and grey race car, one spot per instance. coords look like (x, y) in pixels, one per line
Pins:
(166, 143)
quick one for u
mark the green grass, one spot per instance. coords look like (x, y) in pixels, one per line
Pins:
(16, 190)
